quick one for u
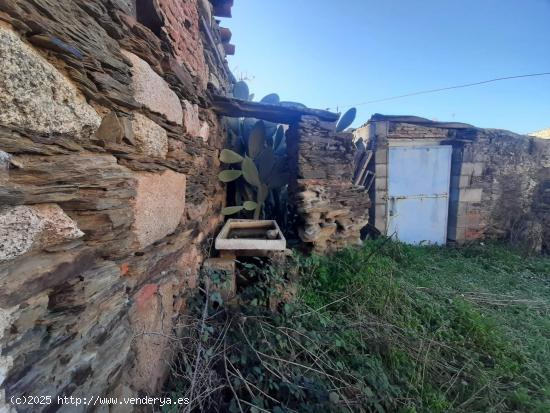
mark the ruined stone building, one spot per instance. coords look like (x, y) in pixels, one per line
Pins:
(489, 183)
(112, 119)
(110, 131)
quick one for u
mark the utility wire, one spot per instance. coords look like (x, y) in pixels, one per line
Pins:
(423, 92)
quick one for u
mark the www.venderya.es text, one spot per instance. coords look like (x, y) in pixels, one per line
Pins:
(97, 401)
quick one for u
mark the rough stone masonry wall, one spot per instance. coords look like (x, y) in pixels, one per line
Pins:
(499, 180)
(332, 211)
(499, 187)
(108, 189)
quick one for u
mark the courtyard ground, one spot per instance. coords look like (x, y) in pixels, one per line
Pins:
(388, 327)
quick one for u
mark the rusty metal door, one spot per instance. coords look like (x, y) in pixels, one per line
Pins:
(418, 193)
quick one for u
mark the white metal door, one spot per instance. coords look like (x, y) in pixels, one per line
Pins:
(418, 193)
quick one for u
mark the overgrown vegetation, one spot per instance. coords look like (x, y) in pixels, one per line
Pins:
(384, 328)
(257, 152)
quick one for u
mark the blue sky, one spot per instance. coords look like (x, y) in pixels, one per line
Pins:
(325, 54)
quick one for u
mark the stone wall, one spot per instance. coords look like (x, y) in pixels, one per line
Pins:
(331, 210)
(498, 188)
(108, 188)
(499, 180)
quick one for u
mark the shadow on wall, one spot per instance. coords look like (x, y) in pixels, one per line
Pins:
(148, 15)
(514, 219)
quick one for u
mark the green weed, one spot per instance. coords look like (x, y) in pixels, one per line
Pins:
(383, 328)
(468, 328)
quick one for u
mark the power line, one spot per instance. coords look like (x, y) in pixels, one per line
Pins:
(423, 92)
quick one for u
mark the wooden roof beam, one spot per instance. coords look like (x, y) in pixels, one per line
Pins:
(236, 108)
